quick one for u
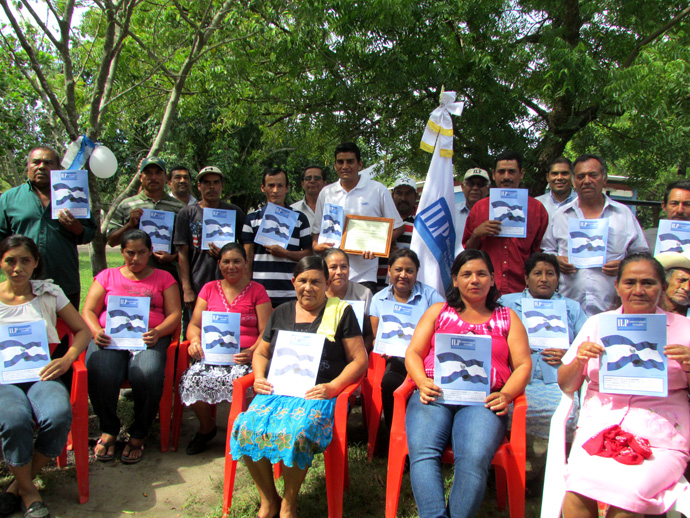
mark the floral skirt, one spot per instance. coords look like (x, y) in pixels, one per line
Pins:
(284, 428)
(211, 384)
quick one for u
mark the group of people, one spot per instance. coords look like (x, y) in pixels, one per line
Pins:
(305, 287)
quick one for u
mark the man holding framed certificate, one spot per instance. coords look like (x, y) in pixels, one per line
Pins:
(359, 197)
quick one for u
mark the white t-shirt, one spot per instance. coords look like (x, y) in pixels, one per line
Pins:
(31, 312)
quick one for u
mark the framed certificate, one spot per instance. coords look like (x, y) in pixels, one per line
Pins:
(367, 233)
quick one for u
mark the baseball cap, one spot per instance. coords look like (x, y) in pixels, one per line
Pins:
(404, 180)
(671, 260)
(208, 170)
(475, 171)
(152, 160)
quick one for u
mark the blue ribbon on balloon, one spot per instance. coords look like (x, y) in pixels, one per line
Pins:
(83, 153)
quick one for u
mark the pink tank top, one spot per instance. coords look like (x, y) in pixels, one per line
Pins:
(497, 327)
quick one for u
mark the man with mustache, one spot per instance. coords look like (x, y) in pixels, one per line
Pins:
(676, 205)
(180, 183)
(508, 254)
(560, 180)
(593, 288)
(676, 298)
(197, 266)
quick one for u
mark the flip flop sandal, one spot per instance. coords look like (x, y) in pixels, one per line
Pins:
(126, 459)
(37, 510)
(107, 445)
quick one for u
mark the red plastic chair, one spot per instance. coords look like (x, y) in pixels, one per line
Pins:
(166, 405)
(79, 434)
(373, 402)
(335, 456)
(509, 460)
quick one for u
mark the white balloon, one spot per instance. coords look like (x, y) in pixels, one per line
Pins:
(103, 162)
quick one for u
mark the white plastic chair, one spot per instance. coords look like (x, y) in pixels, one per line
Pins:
(554, 477)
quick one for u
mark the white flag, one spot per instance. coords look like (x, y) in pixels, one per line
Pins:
(434, 232)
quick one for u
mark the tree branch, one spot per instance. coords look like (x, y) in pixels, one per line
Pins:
(661, 30)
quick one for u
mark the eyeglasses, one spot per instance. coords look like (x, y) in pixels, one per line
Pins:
(313, 178)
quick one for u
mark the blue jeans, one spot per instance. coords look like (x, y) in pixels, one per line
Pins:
(107, 371)
(44, 404)
(475, 434)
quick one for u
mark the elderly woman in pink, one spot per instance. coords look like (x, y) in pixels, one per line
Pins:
(634, 481)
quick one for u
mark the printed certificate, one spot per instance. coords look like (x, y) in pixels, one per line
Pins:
(634, 362)
(462, 368)
(587, 242)
(673, 236)
(24, 352)
(397, 322)
(276, 226)
(363, 233)
(126, 322)
(159, 225)
(220, 337)
(332, 225)
(70, 190)
(509, 206)
(295, 362)
(218, 227)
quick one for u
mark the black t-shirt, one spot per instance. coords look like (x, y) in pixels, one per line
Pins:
(333, 359)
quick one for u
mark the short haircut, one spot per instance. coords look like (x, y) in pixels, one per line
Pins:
(508, 154)
(178, 168)
(590, 156)
(539, 257)
(561, 160)
(17, 240)
(454, 297)
(404, 252)
(323, 172)
(311, 262)
(275, 171)
(229, 247)
(335, 251)
(44, 148)
(632, 258)
(136, 234)
(348, 147)
(678, 184)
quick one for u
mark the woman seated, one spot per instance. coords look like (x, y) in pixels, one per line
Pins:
(340, 286)
(43, 406)
(403, 266)
(543, 395)
(203, 385)
(474, 431)
(108, 368)
(300, 427)
(659, 424)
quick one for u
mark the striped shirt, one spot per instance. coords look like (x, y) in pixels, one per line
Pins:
(275, 273)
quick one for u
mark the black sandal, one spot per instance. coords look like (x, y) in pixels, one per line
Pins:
(126, 459)
(37, 510)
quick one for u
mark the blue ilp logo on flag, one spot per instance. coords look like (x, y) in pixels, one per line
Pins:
(280, 211)
(589, 224)
(157, 215)
(402, 310)
(509, 195)
(68, 176)
(218, 213)
(631, 324)
(19, 330)
(128, 303)
(680, 226)
(220, 319)
(462, 343)
(435, 226)
(543, 304)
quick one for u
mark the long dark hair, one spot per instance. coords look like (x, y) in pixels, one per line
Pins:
(453, 296)
(15, 241)
(136, 234)
(229, 247)
(311, 262)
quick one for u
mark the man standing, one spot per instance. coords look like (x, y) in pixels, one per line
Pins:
(27, 210)
(676, 205)
(361, 197)
(405, 199)
(593, 288)
(508, 254)
(180, 183)
(475, 186)
(152, 196)
(197, 266)
(313, 180)
(676, 298)
(272, 265)
(560, 180)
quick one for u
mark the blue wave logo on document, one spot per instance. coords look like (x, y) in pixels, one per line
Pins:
(622, 351)
(121, 321)
(216, 338)
(506, 211)
(15, 351)
(536, 320)
(332, 226)
(455, 367)
(393, 327)
(215, 228)
(583, 242)
(275, 226)
(65, 193)
(672, 243)
(155, 230)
